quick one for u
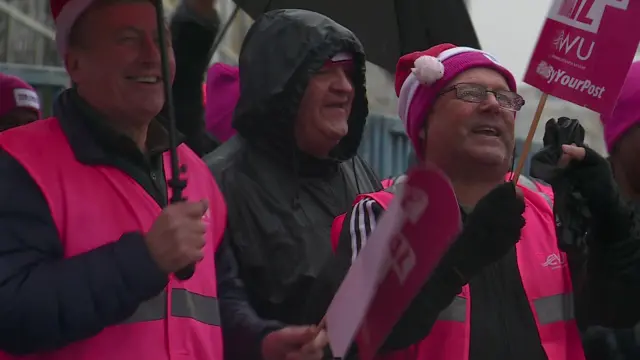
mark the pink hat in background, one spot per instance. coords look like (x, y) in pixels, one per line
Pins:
(16, 93)
(222, 94)
(627, 110)
(420, 76)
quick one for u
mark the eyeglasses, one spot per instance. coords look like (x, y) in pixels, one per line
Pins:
(476, 93)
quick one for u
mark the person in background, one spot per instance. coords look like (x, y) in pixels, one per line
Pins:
(19, 102)
(622, 137)
(292, 167)
(194, 27)
(459, 107)
(223, 91)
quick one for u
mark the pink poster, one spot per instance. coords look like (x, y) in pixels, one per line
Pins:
(432, 222)
(409, 240)
(584, 51)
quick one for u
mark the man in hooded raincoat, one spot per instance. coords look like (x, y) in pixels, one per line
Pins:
(293, 166)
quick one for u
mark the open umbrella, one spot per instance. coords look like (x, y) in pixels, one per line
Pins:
(177, 183)
(387, 28)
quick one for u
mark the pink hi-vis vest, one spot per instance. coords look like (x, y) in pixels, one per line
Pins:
(94, 205)
(545, 274)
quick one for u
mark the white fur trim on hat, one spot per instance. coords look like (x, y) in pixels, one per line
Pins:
(409, 88)
(428, 69)
(411, 84)
(68, 16)
(343, 56)
(461, 50)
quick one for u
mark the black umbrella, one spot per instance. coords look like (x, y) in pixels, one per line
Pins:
(176, 182)
(387, 28)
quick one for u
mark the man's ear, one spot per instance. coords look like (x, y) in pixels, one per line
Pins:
(72, 64)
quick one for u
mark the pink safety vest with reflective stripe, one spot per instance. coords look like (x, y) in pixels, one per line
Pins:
(95, 205)
(545, 274)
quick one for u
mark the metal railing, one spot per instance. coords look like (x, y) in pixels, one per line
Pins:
(30, 22)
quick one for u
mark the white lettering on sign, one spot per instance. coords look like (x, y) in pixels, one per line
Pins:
(560, 76)
(402, 258)
(583, 14)
(26, 98)
(575, 45)
(414, 202)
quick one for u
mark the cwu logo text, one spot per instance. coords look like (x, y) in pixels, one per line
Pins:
(584, 14)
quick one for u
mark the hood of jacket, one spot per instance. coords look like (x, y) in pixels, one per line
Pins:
(280, 53)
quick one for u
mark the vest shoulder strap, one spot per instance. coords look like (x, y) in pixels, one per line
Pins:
(383, 198)
(537, 187)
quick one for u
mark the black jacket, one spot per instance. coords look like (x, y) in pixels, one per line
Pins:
(282, 201)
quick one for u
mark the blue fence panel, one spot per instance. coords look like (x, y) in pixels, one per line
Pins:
(386, 147)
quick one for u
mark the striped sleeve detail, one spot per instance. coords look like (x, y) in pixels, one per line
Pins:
(362, 223)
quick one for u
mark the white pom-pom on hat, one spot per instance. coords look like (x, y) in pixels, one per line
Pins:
(428, 69)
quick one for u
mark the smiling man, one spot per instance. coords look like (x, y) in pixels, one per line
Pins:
(512, 295)
(293, 166)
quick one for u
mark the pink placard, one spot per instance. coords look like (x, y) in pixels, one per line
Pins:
(431, 224)
(584, 51)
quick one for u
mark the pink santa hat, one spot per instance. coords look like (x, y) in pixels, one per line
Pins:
(422, 75)
(626, 112)
(65, 14)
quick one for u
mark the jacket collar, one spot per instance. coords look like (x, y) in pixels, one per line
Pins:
(91, 138)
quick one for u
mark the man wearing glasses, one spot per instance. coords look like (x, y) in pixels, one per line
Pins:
(459, 107)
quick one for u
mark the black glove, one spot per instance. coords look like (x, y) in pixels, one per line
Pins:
(556, 133)
(593, 179)
(490, 231)
(572, 215)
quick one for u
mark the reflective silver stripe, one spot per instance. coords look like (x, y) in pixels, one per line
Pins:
(554, 308)
(150, 310)
(195, 306)
(549, 309)
(183, 304)
(531, 185)
(456, 311)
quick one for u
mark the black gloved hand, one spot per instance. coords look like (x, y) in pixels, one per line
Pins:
(593, 179)
(544, 163)
(490, 231)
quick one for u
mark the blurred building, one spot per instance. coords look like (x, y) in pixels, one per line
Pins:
(27, 47)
